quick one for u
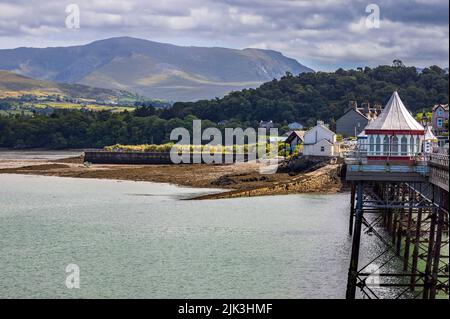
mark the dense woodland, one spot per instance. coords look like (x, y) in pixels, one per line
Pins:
(303, 98)
(320, 95)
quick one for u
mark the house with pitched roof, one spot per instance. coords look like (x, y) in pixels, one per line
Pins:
(294, 139)
(355, 119)
(438, 117)
(320, 141)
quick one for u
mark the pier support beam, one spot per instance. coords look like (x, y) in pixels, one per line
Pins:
(399, 233)
(408, 231)
(352, 209)
(416, 249)
(394, 227)
(437, 253)
(415, 214)
(430, 255)
(353, 270)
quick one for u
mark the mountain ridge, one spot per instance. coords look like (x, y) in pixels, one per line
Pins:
(154, 69)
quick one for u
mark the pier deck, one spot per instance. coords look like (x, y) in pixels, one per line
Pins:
(406, 208)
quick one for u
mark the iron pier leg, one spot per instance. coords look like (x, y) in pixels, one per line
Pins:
(352, 209)
(389, 220)
(437, 253)
(384, 210)
(353, 270)
(408, 234)
(401, 219)
(399, 234)
(429, 261)
(416, 249)
(394, 226)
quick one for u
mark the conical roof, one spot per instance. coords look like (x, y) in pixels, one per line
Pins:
(395, 116)
(429, 136)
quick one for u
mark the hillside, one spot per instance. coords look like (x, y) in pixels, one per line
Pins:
(15, 85)
(305, 98)
(153, 69)
(311, 96)
(12, 84)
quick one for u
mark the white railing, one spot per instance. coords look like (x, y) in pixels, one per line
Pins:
(391, 149)
(439, 157)
(387, 151)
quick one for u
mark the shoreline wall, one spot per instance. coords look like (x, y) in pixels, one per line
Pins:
(152, 158)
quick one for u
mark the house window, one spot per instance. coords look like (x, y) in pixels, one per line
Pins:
(439, 112)
(439, 122)
(322, 148)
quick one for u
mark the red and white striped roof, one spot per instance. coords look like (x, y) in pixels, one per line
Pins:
(394, 117)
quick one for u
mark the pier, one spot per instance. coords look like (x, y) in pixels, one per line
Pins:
(399, 196)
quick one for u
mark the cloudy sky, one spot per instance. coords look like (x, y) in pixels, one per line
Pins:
(322, 34)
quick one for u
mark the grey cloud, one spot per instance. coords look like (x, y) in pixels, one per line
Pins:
(324, 34)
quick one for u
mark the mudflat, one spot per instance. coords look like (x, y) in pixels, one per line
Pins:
(241, 179)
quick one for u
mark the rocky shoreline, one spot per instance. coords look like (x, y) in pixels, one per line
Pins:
(324, 180)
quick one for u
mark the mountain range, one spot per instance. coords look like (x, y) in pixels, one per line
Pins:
(152, 69)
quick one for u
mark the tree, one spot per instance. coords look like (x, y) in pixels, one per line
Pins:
(397, 63)
(144, 111)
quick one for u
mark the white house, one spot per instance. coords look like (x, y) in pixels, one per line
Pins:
(321, 148)
(320, 141)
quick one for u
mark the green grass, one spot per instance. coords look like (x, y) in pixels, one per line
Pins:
(231, 149)
(74, 106)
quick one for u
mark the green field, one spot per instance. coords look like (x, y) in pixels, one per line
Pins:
(91, 107)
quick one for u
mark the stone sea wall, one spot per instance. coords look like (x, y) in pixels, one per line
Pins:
(155, 158)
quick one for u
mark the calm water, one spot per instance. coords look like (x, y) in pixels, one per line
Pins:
(6, 154)
(140, 240)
